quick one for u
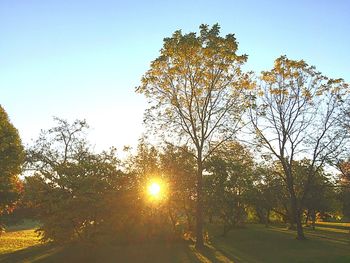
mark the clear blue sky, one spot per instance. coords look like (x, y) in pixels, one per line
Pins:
(83, 59)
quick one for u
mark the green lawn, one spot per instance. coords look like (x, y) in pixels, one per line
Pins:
(253, 244)
(276, 244)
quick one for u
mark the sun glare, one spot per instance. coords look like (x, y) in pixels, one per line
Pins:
(154, 189)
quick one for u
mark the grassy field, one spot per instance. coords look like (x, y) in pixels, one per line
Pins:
(252, 244)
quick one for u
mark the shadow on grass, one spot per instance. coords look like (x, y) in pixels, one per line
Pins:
(150, 252)
(211, 254)
(259, 244)
(38, 253)
(319, 234)
(255, 244)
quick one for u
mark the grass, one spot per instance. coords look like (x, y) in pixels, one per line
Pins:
(19, 237)
(339, 226)
(334, 224)
(178, 252)
(276, 244)
(253, 244)
(16, 240)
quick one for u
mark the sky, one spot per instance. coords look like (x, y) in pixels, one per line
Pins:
(83, 59)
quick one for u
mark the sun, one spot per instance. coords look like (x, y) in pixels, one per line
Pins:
(154, 189)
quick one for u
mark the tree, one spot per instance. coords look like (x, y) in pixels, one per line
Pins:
(11, 160)
(269, 194)
(71, 187)
(344, 168)
(196, 90)
(178, 166)
(154, 218)
(344, 185)
(228, 184)
(321, 199)
(297, 112)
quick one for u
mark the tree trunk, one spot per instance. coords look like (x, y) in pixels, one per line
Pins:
(199, 210)
(313, 219)
(300, 231)
(295, 209)
(291, 219)
(267, 219)
(297, 217)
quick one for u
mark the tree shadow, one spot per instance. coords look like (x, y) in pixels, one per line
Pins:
(211, 254)
(49, 253)
(143, 253)
(334, 237)
(38, 253)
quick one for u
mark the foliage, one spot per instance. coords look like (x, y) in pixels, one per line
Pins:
(228, 184)
(321, 199)
(196, 90)
(296, 111)
(344, 168)
(143, 218)
(178, 166)
(345, 201)
(344, 184)
(198, 97)
(70, 185)
(269, 195)
(11, 160)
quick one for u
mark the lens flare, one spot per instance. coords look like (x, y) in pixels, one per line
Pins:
(154, 189)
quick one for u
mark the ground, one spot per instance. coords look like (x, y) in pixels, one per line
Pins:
(254, 244)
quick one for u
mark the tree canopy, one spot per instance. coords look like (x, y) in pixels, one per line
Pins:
(297, 112)
(71, 186)
(11, 160)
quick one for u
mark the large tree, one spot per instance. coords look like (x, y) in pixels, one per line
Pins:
(299, 113)
(195, 88)
(11, 159)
